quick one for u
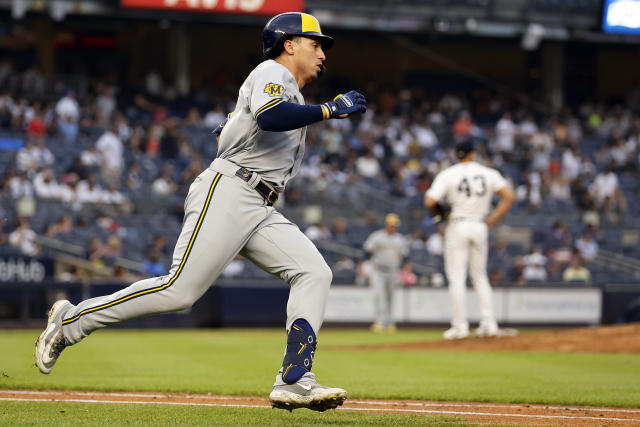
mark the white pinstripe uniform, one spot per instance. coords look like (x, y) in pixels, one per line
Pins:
(225, 215)
(469, 188)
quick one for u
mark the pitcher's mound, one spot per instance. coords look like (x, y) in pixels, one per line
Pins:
(601, 339)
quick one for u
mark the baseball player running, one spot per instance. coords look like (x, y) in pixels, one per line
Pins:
(387, 249)
(229, 209)
(468, 187)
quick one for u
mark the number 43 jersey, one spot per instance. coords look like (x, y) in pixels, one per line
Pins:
(468, 187)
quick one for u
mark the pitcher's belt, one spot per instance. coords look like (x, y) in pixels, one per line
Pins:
(265, 189)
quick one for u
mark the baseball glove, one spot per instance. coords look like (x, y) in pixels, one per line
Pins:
(440, 212)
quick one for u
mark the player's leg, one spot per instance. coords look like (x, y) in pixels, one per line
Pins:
(389, 286)
(212, 234)
(456, 256)
(478, 254)
(280, 248)
(377, 281)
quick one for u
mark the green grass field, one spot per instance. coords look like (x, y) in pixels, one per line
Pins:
(244, 362)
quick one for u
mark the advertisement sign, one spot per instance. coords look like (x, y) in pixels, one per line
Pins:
(253, 7)
(25, 269)
(621, 17)
(433, 305)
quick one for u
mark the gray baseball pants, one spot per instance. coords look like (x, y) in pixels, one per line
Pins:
(383, 283)
(224, 216)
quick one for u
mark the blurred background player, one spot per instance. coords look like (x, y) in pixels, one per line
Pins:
(387, 250)
(468, 187)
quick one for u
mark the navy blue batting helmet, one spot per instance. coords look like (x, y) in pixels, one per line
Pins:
(287, 25)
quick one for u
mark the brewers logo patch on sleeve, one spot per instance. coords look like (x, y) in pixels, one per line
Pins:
(274, 89)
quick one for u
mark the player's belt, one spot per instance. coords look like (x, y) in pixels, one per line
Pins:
(266, 190)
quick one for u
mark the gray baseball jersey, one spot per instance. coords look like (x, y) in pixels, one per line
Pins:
(387, 250)
(274, 155)
(224, 216)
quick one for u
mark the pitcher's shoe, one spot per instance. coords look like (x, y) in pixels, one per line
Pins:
(456, 333)
(306, 393)
(51, 342)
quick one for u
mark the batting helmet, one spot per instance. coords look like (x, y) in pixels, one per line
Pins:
(289, 24)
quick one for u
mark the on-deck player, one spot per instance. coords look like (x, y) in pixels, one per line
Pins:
(229, 210)
(469, 188)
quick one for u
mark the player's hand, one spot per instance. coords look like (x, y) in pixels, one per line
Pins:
(345, 105)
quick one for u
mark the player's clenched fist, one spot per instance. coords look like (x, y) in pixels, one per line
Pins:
(344, 105)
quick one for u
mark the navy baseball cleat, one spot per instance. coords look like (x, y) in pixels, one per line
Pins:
(305, 393)
(51, 342)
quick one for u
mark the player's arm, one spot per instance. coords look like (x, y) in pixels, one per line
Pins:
(279, 115)
(506, 200)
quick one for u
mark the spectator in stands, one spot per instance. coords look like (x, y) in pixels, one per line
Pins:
(368, 166)
(152, 266)
(576, 272)
(339, 231)
(20, 186)
(91, 157)
(133, 179)
(163, 185)
(606, 185)
(344, 265)
(318, 231)
(45, 185)
(43, 154)
(214, 117)
(160, 246)
(506, 132)
(89, 191)
(109, 145)
(36, 126)
(105, 104)
(113, 248)
(24, 238)
(235, 267)
(435, 242)
(68, 113)
(69, 192)
(559, 235)
(74, 274)
(95, 252)
(27, 158)
(587, 246)
(77, 169)
(534, 269)
(60, 227)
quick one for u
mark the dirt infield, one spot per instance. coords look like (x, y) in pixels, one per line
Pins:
(465, 412)
(603, 339)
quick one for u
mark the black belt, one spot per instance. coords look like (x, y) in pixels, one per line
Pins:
(266, 190)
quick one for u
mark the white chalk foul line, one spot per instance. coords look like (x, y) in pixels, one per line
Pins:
(493, 405)
(350, 401)
(227, 405)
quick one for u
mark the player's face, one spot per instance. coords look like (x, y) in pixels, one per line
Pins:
(310, 57)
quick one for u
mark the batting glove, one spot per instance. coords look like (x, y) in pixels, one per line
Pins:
(345, 105)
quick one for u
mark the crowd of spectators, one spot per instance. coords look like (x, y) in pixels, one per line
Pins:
(120, 149)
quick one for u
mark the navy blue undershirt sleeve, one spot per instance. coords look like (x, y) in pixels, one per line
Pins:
(288, 115)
